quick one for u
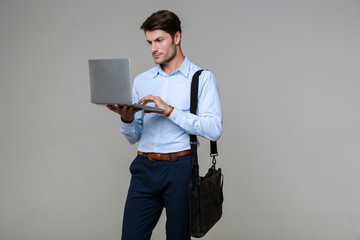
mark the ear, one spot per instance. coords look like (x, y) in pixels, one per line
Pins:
(177, 38)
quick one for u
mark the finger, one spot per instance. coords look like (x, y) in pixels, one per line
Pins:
(147, 101)
(147, 98)
(130, 109)
(111, 108)
(134, 110)
(117, 106)
(141, 101)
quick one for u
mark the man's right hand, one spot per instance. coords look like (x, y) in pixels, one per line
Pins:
(127, 113)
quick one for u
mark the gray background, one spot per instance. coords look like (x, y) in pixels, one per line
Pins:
(288, 72)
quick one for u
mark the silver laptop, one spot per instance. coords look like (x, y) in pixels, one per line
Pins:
(110, 83)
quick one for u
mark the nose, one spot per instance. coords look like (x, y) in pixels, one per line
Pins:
(154, 47)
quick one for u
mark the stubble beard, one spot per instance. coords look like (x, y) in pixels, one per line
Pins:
(167, 59)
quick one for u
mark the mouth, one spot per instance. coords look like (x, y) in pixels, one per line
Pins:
(156, 56)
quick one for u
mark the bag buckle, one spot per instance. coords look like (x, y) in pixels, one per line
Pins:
(213, 160)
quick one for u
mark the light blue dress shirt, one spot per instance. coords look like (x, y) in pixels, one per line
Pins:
(160, 134)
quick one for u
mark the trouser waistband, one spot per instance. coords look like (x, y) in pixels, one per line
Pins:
(164, 156)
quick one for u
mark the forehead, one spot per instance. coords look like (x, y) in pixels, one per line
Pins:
(155, 34)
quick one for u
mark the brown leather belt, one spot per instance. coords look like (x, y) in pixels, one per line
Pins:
(164, 156)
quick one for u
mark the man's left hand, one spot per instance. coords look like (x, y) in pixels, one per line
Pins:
(159, 103)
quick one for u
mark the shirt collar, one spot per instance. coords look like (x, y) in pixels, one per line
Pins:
(184, 69)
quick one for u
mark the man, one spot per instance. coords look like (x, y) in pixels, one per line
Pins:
(162, 169)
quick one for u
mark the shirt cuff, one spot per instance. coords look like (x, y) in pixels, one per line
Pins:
(127, 128)
(177, 115)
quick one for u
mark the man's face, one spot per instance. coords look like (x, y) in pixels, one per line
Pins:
(162, 45)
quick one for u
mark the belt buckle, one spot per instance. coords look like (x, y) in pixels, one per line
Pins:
(150, 157)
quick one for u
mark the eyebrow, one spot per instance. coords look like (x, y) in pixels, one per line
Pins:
(157, 39)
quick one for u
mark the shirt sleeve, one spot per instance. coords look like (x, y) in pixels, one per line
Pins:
(207, 122)
(132, 131)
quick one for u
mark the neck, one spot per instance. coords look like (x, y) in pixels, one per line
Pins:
(174, 64)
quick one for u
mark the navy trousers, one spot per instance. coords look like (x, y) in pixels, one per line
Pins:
(154, 186)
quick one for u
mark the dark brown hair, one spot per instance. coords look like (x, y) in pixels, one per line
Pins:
(162, 20)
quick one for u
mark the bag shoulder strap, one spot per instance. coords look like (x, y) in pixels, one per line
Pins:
(193, 138)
